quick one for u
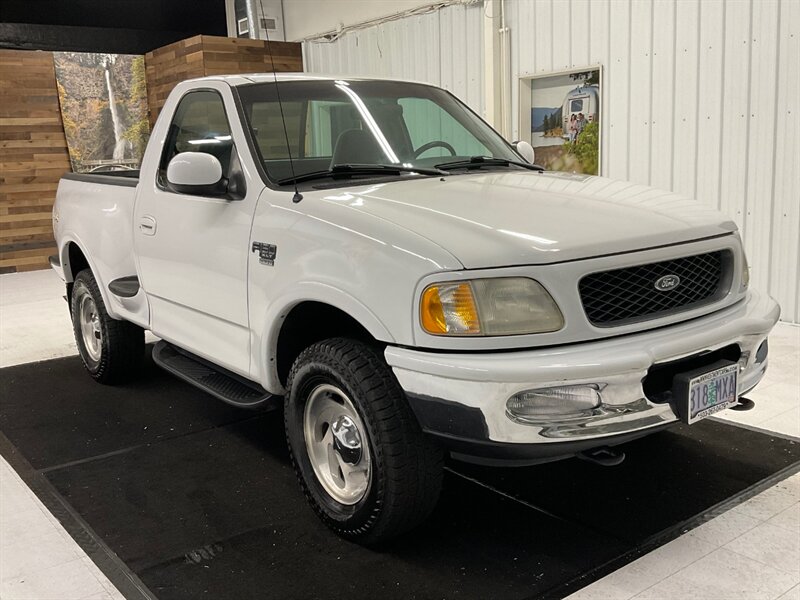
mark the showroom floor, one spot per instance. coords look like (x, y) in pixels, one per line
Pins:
(750, 551)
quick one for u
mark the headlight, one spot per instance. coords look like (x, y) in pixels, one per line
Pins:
(745, 272)
(503, 306)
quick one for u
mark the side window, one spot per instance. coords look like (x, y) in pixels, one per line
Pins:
(199, 125)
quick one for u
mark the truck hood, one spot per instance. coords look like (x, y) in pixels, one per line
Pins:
(506, 218)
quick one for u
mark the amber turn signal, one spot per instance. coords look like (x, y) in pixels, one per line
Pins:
(449, 309)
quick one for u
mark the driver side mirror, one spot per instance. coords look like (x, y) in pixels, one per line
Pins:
(525, 150)
(196, 173)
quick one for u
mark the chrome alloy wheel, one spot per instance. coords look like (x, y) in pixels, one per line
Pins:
(336, 443)
(91, 332)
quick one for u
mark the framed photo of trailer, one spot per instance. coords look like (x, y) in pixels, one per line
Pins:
(561, 116)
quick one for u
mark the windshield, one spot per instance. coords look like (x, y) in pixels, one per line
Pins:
(334, 123)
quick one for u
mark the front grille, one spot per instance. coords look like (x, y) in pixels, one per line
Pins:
(630, 294)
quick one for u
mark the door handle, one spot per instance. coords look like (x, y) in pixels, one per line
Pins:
(147, 225)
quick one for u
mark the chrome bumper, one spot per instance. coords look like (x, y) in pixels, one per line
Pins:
(474, 388)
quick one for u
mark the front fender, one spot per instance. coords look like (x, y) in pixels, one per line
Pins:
(279, 309)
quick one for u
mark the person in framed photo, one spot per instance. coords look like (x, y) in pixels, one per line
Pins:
(573, 129)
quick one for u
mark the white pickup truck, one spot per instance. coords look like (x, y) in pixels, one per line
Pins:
(408, 282)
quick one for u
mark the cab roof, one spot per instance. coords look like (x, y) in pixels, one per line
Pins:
(247, 78)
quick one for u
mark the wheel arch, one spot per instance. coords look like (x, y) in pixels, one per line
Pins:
(73, 261)
(299, 320)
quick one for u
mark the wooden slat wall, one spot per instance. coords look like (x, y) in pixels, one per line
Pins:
(166, 66)
(33, 156)
(204, 55)
(33, 149)
(239, 55)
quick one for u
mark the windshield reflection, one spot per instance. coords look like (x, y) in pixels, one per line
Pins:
(357, 123)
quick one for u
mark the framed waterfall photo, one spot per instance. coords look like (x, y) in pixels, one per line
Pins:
(560, 114)
(103, 102)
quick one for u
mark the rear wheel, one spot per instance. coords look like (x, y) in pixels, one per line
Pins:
(363, 462)
(111, 350)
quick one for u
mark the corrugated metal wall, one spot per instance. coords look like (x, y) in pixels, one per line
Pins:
(700, 97)
(444, 48)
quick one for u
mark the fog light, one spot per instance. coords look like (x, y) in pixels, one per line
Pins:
(563, 401)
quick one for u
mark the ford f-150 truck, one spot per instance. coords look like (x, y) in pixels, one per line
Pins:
(408, 282)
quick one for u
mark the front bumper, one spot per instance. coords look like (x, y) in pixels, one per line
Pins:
(461, 397)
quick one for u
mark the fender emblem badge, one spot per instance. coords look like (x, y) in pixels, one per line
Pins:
(667, 283)
(266, 253)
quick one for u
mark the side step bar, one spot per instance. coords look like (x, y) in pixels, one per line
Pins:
(220, 383)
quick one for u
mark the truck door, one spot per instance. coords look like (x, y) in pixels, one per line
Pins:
(192, 250)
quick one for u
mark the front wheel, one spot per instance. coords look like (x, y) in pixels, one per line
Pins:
(363, 462)
(111, 350)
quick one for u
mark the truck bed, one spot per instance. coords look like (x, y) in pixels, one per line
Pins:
(98, 219)
(124, 178)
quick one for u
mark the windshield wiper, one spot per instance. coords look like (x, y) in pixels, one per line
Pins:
(476, 162)
(351, 169)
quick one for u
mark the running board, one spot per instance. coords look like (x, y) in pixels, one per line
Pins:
(218, 382)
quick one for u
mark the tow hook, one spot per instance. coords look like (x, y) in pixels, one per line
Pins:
(744, 404)
(604, 456)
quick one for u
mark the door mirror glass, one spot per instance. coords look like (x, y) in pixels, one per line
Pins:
(196, 173)
(525, 150)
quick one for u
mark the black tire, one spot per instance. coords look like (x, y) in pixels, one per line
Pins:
(406, 466)
(121, 344)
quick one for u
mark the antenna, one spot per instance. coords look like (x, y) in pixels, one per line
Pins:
(297, 195)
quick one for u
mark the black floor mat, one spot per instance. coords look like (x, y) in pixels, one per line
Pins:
(199, 500)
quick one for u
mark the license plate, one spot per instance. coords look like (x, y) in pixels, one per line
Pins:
(711, 392)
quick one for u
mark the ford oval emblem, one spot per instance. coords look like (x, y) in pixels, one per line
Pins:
(667, 283)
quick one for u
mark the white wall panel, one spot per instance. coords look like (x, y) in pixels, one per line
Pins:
(442, 47)
(662, 121)
(709, 105)
(522, 53)
(580, 32)
(542, 25)
(700, 96)
(759, 199)
(684, 138)
(735, 109)
(640, 130)
(311, 18)
(785, 230)
(615, 116)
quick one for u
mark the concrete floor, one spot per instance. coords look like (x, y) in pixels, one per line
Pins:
(752, 551)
